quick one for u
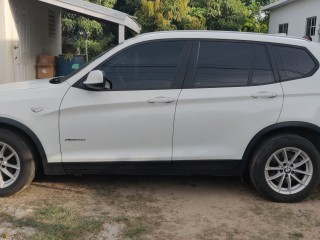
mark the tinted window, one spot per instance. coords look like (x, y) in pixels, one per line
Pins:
(147, 66)
(293, 62)
(227, 64)
(262, 70)
(223, 64)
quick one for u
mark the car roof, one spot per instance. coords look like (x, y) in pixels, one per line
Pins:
(225, 35)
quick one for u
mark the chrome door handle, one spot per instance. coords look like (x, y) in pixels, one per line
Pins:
(264, 95)
(161, 100)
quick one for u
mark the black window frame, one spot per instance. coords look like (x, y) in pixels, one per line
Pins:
(177, 82)
(314, 59)
(311, 29)
(283, 28)
(192, 67)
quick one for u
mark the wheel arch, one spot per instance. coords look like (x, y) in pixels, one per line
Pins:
(309, 131)
(49, 169)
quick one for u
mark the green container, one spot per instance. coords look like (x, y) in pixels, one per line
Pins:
(66, 66)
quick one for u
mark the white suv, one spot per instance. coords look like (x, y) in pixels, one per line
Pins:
(190, 102)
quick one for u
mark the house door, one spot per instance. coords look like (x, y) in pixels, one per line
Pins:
(21, 44)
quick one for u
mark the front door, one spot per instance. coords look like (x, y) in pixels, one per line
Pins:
(21, 44)
(134, 120)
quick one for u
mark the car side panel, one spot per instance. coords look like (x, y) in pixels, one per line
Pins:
(301, 102)
(302, 96)
(108, 126)
(219, 123)
(38, 110)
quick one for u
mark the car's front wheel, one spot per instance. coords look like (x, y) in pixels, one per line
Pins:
(17, 165)
(286, 168)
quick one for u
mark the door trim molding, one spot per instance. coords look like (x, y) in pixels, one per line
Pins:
(186, 167)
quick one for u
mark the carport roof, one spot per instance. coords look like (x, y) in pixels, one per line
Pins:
(97, 11)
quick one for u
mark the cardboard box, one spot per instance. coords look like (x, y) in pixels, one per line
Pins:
(46, 66)
(46, 60)
(46, 71)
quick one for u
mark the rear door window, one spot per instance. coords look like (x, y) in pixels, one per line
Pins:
(262, 70)
(232, 64)
(223, 64)
(293, 62)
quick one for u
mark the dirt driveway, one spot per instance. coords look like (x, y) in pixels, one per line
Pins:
(145, 207)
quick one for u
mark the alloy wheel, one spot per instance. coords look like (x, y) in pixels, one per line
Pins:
(9, 165)
(288, 170)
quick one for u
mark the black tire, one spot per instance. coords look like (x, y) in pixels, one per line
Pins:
(26, 157)
(263, 157)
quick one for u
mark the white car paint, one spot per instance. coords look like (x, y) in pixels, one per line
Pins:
(17, 101)
(116, 126)
(218, 123)
(121, 126)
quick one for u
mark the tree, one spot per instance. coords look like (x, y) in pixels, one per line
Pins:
(99, 35)
(232, 15)
(159, 15)
(221, 14)
(130, 7)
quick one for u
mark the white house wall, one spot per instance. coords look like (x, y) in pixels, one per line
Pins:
(39, 31)
(38, 42)
(6, 69)
(295, 14)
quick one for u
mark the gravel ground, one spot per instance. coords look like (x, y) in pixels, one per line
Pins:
(153, 207)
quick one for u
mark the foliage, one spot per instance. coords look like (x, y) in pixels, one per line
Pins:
(169, 15)
(130, 7)
(161, 15)
(233, 15)
(75, 28)
(225, 15)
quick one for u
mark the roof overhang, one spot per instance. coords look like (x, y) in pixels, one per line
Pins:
(277, 4)
(97, 11)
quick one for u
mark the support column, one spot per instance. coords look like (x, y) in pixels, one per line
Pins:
(121, 36)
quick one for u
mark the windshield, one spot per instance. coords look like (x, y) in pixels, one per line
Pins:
(64, 78)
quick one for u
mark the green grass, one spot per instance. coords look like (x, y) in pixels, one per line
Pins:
(121, 219)
(53, 222)
(135, 227)
(134, 231)
(3, 236)
(284, 215)
(66, 218)
(295, 236)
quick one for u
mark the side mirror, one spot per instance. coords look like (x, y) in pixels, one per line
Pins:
(94, 77)
(96, 81)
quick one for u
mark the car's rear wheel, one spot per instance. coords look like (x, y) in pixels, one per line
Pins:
(17, 165)
(286, 168)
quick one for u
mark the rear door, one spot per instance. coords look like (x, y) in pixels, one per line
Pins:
(229, 95)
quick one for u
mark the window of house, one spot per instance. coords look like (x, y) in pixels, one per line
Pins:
(51, 24)
(293, 62)
(283, 28)
(311, 26)
(231, 64)
(145, 67)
